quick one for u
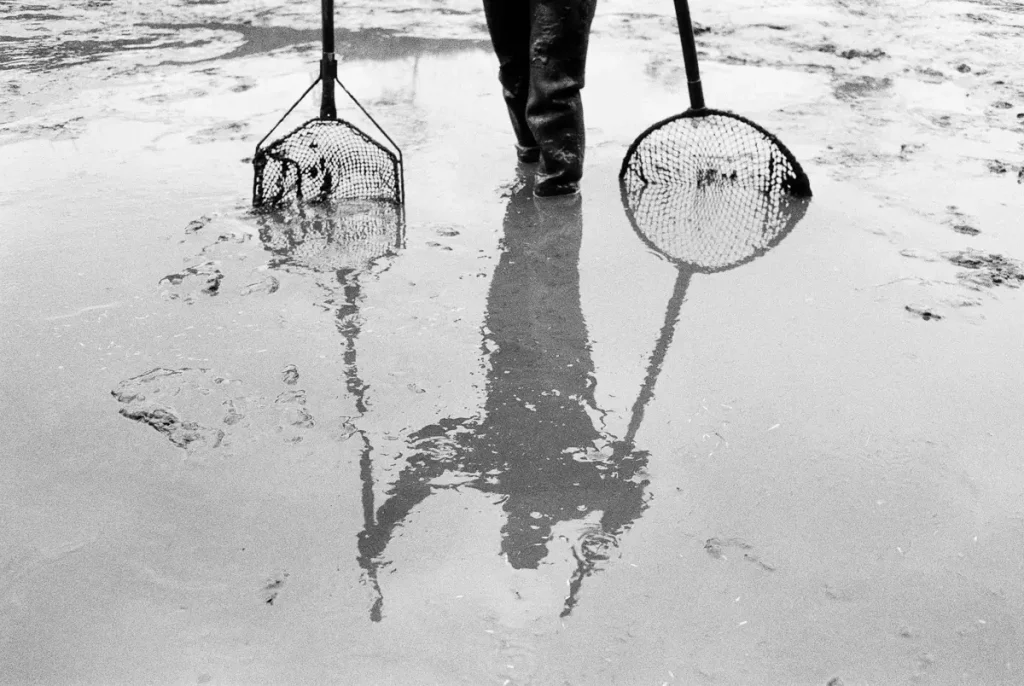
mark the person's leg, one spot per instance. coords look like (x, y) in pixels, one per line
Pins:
(558, 54)
(509, 24)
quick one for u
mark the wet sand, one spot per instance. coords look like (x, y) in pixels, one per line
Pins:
(229, 460)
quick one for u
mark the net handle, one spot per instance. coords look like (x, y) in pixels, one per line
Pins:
(689, 54)
(328, 62)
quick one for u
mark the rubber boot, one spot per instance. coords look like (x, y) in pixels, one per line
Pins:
(560, 35)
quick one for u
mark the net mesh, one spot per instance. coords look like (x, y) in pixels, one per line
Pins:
(350, 235)
(325, 160)
(711, 146)
(712, 190)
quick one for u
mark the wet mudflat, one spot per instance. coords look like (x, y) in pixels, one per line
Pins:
(236, 451)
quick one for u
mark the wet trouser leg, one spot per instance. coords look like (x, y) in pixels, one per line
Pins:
(509, 24)
(542, 51)
(554, 109)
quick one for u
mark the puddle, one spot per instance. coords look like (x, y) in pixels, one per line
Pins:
(493, 439)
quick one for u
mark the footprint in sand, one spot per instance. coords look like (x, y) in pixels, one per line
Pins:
(272, 587)
(229, 243)
(197, 409)
(147, 398)
(192, 283)
(718, 547)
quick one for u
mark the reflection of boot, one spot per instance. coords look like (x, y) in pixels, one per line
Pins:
(542, 50)
(565, 208)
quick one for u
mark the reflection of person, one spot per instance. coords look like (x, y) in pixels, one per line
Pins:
(536, 443)
(542, 52)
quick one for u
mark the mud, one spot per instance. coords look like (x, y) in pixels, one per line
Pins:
(139, 396)
(193, 282)
(923, 312)
(190, 406)
(987, 270)
(290, 375)
(246, 448)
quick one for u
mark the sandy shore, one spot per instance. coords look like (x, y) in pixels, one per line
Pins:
(226, 461)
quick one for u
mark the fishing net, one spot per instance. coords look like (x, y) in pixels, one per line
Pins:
(711, 189)
(346, 236)
(702, 148)
(325, 159)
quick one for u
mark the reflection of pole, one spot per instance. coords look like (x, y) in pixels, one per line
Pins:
(349, 243)
(657, 360)
(366, 561)
(584, 567)
(348, 325)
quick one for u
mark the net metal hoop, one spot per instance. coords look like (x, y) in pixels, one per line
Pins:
(711, 190)
(325, 159)
(649, 157)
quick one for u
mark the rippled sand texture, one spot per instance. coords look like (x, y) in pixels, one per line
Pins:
(240, 450)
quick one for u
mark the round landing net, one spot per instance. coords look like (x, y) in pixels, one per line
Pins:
(346, 236)
(325, 160)
(712, 189)
(702, 147)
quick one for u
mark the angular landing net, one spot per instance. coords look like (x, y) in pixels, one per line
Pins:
(325, 160)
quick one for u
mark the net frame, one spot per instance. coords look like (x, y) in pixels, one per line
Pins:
(333, 172)
(282, 175)
(784, 172)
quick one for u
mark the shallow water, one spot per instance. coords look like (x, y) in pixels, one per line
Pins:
(409, 468)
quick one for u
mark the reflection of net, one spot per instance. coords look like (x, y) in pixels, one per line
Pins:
(711, 226)
(713, 148)
(339, 236)
(325, 160)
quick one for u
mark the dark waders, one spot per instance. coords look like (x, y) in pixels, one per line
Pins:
(542, 50)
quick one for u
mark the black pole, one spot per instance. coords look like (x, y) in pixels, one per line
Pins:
(689, 54)
(328, 63)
